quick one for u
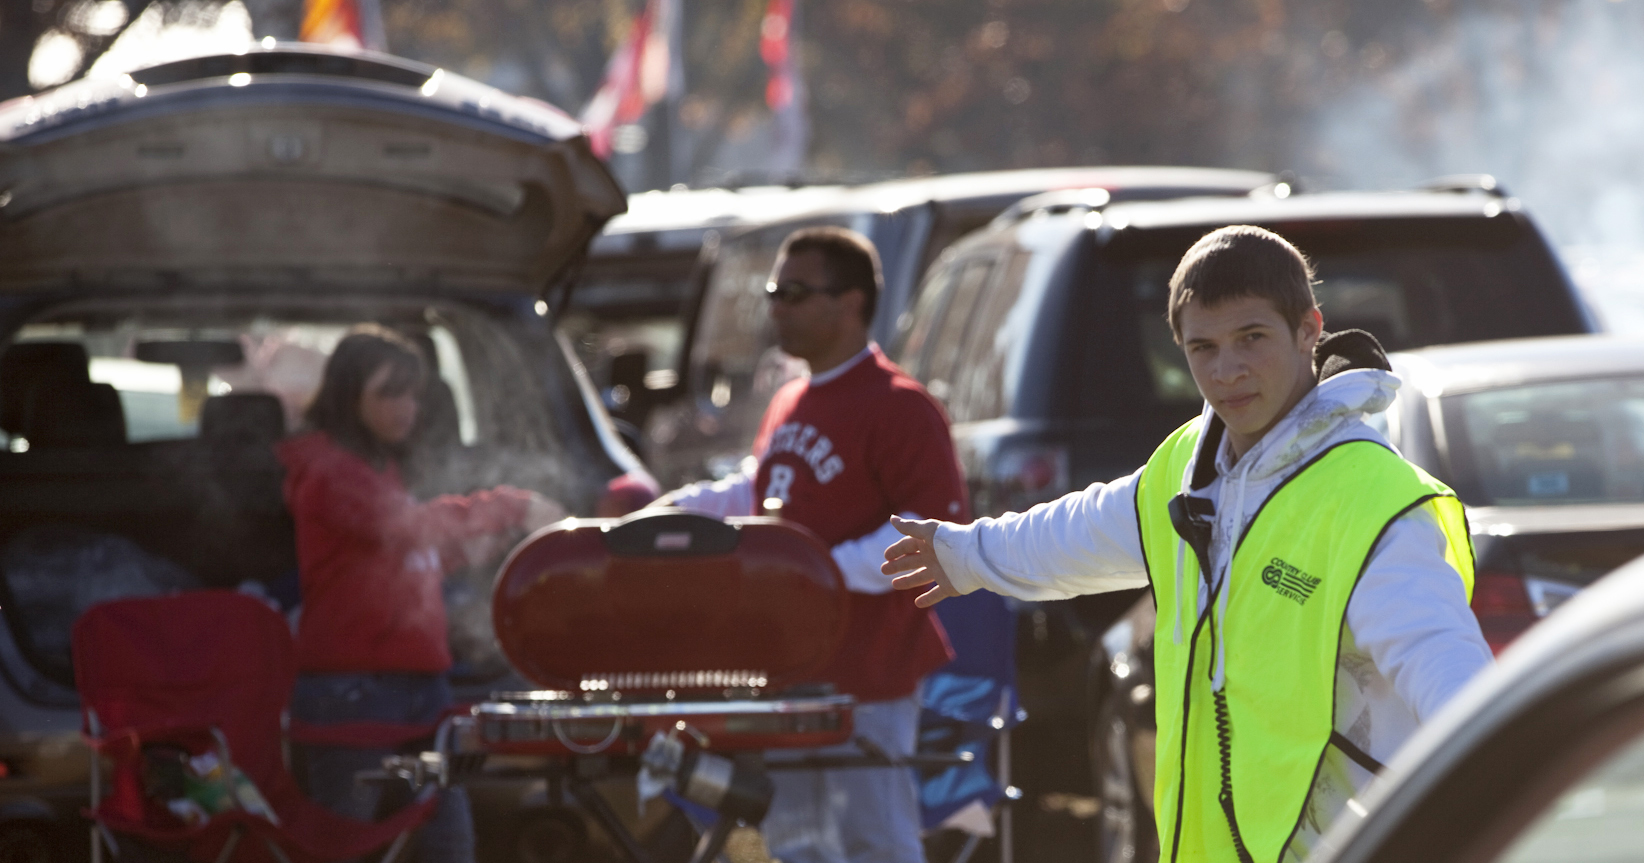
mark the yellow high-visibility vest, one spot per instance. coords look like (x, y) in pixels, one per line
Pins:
(1235, 767)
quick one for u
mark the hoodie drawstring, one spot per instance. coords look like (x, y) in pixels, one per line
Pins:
(1219, 677)
(1181, 559)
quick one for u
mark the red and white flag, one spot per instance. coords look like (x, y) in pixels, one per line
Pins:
(784, 87)
(775, 48)
(344, 23)
(637, 76)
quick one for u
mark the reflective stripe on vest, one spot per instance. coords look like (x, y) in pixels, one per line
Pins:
(1293, 573)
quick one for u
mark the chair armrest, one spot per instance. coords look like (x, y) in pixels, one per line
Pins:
(119, 743)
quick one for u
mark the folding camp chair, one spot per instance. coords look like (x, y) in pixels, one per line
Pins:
(969, 707)
(197, 671)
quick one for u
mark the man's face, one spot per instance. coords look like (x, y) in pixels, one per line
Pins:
(1248, 363)
(813, 326)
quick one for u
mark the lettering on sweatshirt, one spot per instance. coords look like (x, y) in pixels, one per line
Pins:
(816, 450)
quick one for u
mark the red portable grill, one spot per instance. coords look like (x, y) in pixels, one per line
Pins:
(668, 642)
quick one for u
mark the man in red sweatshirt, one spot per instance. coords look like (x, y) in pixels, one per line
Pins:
(841, 452)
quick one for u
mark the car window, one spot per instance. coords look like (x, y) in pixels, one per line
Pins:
(735, 365)
(630, 305)
(922, 320)
(1356, 295)
(734, 327)
(1167, 369)
(1410, 282)
(1556, 443)
(941, 361)
(190, 495)
(161, 401)
(1597, 820)
(981, 389)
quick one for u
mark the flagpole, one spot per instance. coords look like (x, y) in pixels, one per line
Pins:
(679, 157)
(658, 152)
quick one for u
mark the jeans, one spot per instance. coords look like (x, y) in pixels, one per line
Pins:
(857, 814)
(447, 837)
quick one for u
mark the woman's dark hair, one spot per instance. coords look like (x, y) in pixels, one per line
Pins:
(336, 407)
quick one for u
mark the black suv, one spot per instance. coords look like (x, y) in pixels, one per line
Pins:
(1045, 335)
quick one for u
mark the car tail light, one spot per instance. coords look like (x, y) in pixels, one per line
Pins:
(1502, 605)
(1027, 475)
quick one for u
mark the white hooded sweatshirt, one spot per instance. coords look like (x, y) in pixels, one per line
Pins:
(1411, 640)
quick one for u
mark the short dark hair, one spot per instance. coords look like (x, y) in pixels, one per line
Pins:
(851, 259)
(335, 409)
(1243, 261)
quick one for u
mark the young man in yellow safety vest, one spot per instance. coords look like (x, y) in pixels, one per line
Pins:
(1312, 586)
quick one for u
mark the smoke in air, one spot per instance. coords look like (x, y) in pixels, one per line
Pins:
(1543, 96)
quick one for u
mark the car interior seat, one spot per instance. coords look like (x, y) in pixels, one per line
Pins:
(47, 397)
(254, 419)
(82, 415)
(240, 529)
(25, 365)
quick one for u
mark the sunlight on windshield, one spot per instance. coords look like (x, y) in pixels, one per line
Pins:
(1601, 819)
(1577, 442)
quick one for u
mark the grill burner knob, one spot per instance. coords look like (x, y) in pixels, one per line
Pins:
(736, 788)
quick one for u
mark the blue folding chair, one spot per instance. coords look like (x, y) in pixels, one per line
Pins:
(970, 705)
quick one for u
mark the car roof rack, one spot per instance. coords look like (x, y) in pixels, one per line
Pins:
(1285, 184)
(1056, 203)
(288, 59)
(1485, 183)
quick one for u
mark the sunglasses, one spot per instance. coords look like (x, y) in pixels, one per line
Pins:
(792, 292)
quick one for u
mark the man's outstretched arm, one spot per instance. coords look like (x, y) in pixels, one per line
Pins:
(1085, 542)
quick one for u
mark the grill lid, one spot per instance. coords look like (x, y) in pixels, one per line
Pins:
(666, 599)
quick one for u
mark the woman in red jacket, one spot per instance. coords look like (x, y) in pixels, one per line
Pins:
(371, 642)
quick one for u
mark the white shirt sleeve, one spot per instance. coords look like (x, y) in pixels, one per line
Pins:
(1084, 542)
(1410, 613)
(859, 559)
(723, 498)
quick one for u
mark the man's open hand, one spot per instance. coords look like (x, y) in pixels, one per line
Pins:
(915, 555)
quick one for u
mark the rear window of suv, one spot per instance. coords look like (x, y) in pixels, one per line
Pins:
(1411, 282)
(169, 480)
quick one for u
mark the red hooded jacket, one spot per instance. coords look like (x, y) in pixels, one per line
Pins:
(372, 558)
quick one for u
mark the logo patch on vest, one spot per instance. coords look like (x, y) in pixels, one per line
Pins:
(1289, 582)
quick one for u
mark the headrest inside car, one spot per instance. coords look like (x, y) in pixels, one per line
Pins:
(246, 418)
(26, 366)
(75, 415)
